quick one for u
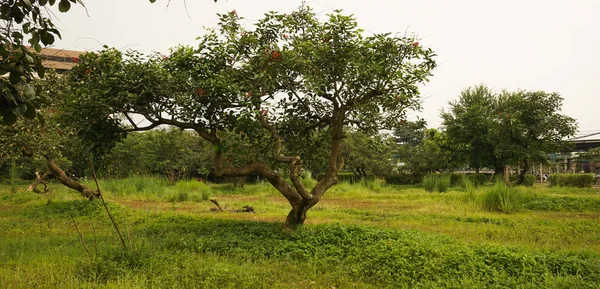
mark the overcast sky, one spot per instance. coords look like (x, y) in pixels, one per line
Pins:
(549, 45)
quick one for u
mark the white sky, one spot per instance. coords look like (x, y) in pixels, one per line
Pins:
(549, 45)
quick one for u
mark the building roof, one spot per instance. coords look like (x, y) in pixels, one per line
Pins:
(59, 59)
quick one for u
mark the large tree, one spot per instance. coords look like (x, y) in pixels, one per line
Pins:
(261, 92)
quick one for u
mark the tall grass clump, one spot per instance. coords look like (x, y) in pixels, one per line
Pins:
(442, 184)
(501, 198)
(467, 186)
(429, 183)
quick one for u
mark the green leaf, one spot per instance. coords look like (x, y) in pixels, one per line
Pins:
(152, 1)
(21, 108)
(64, 6)
(14, 77)
(8, 117)
(47, 38)
(30, 112)
(52, 2)
(43, 2)
(37, 47)
(35, 38)
(29, 91)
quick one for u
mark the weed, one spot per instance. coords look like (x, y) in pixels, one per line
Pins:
(442, 184)
(501, 198)
(429, 183)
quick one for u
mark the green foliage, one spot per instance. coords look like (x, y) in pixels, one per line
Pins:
(402, 179)
(429, 182)
(571, 180)
(502, 198)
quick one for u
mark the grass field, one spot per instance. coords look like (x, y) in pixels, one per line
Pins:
(359, 236)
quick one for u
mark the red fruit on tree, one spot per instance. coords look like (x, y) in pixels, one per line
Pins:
(275, 56)
(264, 112)
(75, 59)
(200, 91)
(416, 44)
(249, 94)
(284, 36)
(233, 13)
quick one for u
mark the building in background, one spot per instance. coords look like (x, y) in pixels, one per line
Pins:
(60, 59)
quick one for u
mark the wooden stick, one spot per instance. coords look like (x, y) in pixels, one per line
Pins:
(81, 237)
(104, 203)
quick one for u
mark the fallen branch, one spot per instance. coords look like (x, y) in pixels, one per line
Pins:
(38, 180)
(217, 204)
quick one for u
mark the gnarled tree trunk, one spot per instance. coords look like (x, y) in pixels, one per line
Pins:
(65, 180)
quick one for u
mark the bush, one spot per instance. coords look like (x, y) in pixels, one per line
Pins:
(501, 198)
(402, 179)
(479, 179)
(456, 179)
(342, 177)
(429, 182)
(529, 180)
(571, 180)
(442, 184)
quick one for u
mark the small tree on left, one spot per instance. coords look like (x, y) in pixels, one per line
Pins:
(40, 139)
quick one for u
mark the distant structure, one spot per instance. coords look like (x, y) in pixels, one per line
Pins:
(60, 59)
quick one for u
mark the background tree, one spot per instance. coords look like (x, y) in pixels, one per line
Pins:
(528, 126)
(366, 154)
(512, 128)
(258, 92)
(467, 126)
(431, 154)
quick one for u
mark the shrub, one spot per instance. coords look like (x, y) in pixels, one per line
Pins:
(442, 183)
(402, 179)
(429, 182)
(571, 180)
(342, 177)
(501, 198)
(456, 179)
(529, 180)
(479, 179)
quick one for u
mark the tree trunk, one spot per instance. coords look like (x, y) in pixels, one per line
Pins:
(297, 215)
(65, 180)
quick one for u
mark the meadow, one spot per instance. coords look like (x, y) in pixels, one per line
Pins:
(367, 235)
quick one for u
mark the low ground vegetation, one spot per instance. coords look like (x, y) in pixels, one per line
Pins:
(365, 235)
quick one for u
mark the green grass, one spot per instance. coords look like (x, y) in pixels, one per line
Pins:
(366, 235)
